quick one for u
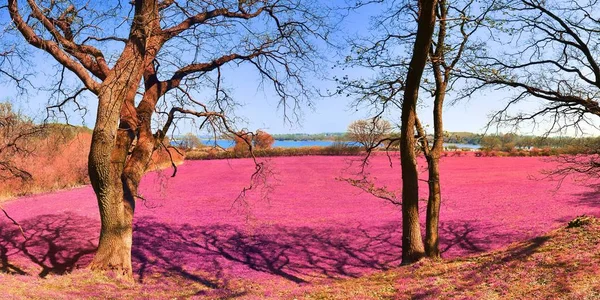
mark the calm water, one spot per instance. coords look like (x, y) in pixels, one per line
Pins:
(278, 143)
(296, 144)
(461, 146)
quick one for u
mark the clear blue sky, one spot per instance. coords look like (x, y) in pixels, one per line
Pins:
(331, 114)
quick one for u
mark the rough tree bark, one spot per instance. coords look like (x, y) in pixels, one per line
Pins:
(412, 242)
(113, 134)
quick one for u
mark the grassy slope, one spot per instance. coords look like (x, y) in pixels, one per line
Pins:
(561, 264)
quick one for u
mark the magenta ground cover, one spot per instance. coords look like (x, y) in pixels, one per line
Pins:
(311, 227)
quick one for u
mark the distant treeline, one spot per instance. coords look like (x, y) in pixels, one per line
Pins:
(328, 136)
(451, 137)
(462, 138)
(509, 141)
(503, 142)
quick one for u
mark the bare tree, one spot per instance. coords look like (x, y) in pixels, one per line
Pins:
(369, 133)
(168, 54)
(457, 22)
(396, 54)
(189, 141)
(546, 50)
(396, 83)
(456, 26)
(411, 232)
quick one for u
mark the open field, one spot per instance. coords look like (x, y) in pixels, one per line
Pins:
(190, 238)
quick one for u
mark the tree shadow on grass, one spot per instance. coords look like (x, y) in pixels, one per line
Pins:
(590, 198)
(53, 244)
(213, 255)
(458, 236)
(296, 254)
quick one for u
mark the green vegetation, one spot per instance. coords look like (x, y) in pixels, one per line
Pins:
(506, 142)
(462, 138)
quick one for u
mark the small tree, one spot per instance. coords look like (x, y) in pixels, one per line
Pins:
(190, 141)
(369, 133)
(263, 140)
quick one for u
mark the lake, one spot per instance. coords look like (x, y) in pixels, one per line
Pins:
(296, 144)
(278, 143)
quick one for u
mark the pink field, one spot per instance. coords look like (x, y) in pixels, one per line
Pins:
(312, 228)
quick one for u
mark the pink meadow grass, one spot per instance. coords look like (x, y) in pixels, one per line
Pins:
(310, 227)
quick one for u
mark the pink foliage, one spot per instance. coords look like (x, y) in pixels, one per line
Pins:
(312, 227)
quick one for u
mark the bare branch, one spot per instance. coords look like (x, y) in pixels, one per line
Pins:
(14, 222)
(49, 46)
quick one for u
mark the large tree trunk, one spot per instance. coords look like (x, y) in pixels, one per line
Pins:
(412, 242)
(115, 131)
(113, 134)
(108, 154)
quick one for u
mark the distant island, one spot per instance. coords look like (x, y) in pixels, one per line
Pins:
(327, 136)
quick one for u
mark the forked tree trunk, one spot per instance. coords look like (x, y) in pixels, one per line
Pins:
(412, 242)
(129, 162)
(433, 204)
(108, 154)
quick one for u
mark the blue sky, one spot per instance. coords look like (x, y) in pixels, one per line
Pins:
(329, 114)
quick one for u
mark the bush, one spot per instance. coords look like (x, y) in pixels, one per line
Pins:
(263, 140)
(58, 160)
